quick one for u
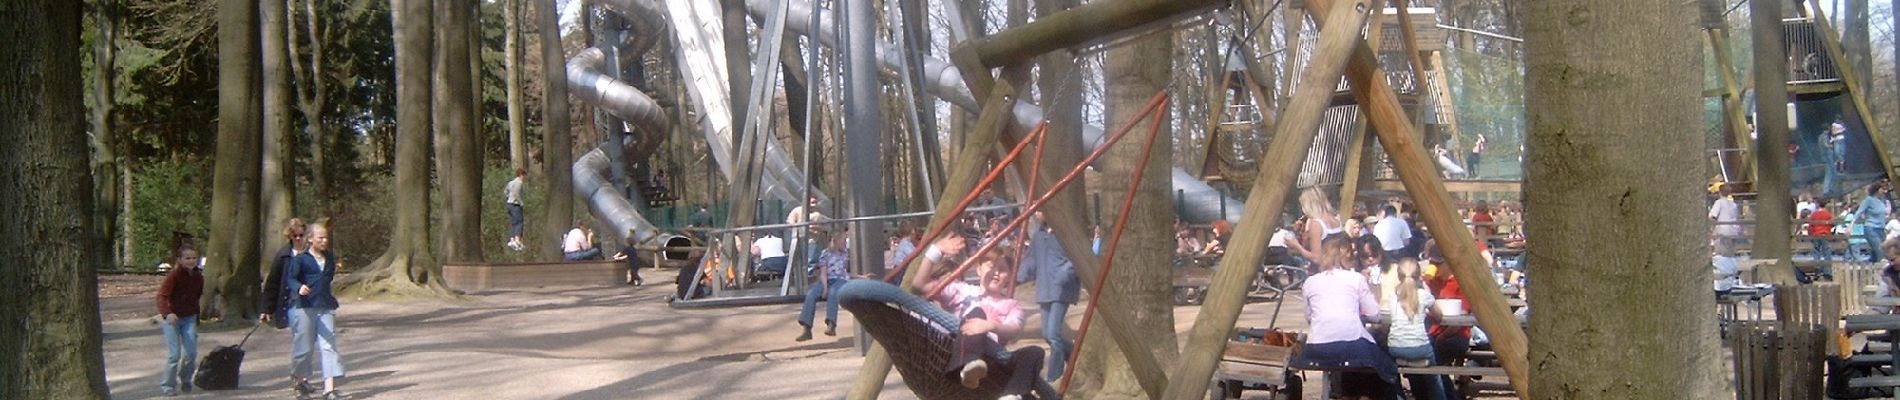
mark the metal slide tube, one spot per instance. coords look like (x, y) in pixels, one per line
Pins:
(780, 178)
(1199, 202)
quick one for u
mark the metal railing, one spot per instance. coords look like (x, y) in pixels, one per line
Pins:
(1808, 60)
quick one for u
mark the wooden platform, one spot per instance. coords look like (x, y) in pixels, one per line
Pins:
(479, 277)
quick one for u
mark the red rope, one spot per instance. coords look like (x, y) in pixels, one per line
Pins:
(957, 211)
(1022, 238)
(1114, 238)
(1159, 100)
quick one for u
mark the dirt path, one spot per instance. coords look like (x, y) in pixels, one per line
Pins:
(550, 343)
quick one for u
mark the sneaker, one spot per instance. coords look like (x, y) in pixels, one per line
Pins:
(831, 328)
(804, 336)
(1011, 397)
(302, 388)
(167, 392)
(333, 395)
(974, 372)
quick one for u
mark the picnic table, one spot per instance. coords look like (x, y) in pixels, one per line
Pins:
(1880, 322)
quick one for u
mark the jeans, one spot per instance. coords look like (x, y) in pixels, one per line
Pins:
(1054, 314)
(1821, 250)
(181, 354)
(589, 254)
(514, 220)
(1424, 387)
(811, 303)
(1875, 235)
(313, 343)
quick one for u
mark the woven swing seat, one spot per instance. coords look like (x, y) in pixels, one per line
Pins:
(921, 339)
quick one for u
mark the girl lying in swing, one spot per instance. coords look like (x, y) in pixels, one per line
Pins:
(990, 319)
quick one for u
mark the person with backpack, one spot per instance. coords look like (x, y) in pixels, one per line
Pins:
(178, 310)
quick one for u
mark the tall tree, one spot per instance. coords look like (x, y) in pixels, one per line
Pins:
(1134, 73)
(1773, 199)
(1857, 41)
(50, 346)
(511, 63)
(1598, 167)
(277, 179)
(107, 165)
(457, 133)
(556, 143)
(230, 261)
(311, 97)
(407, 266)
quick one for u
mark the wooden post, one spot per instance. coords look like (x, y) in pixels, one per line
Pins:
(1435, 207)
(1356, 149)
(963, 178)
(1850, 82)
(1732, 110)
(1280, 168)
(1294, 24)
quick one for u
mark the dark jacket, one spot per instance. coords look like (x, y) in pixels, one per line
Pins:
(180, 291)
(306, 271)
(1050, 268)
(274, 296)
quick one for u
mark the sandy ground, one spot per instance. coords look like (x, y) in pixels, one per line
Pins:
(548, 343)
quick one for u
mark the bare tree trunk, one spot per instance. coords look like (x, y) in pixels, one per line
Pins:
(50, 345)
(311, 97)
(1773, 202)
(1857, 41)
(511, 61)
(1135, 72)
(106, 163)
(277, 140)
(1633, 175)
(457, 133)
(230, 278)
(407, 266)
(557, 140)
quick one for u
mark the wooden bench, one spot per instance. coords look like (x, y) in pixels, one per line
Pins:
(1453, 371)
(1866, 323)
(474, 277)
(1251, 366)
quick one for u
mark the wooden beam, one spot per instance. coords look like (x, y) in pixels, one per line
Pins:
(1090, 22)
(1816, 87)
(1279, 169)
(971, 164)
(1732, 111)
(1851, 83)
(1435, 208)
(1448, 118)
(1294, 22)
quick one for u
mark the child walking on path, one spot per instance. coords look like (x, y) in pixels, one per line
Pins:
(178, 305)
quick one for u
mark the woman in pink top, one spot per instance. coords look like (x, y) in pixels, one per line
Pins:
(1338, 302)
(990, 319)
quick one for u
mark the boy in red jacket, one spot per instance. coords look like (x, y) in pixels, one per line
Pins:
(178, 306)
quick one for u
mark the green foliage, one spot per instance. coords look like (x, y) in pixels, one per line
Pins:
(169, 196)
(362, 215)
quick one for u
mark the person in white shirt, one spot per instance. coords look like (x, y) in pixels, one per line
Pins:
(512, 198)
(770, 249)
(1393, 233)
(579, 244)
(1726, 213)
(1893, 227)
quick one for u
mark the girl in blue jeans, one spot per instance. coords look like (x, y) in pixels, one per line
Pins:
(313, 314)
(836, 260)
(178, 305)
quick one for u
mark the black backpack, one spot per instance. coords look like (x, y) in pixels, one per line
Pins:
(219, 370)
